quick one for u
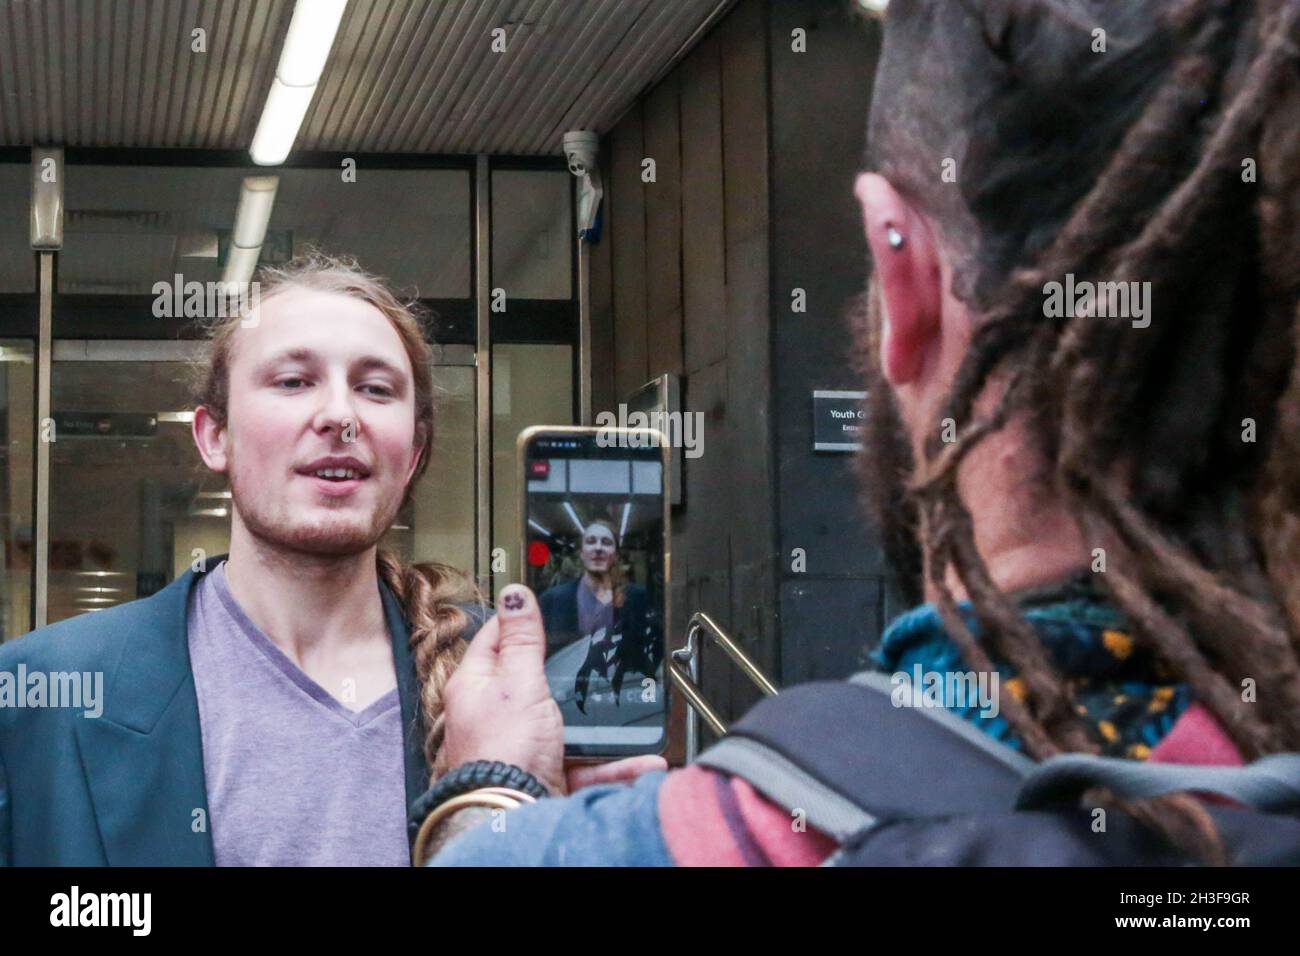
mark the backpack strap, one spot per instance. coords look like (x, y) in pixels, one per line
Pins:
(1271, 783)
(895, 782)
(848, 753)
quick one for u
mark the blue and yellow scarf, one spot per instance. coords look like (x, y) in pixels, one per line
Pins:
(1126, 701)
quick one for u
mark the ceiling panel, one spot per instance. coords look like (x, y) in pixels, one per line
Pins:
(404, 76)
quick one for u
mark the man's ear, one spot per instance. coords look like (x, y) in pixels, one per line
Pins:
(415, 461)
(210, 438)
(909, 278)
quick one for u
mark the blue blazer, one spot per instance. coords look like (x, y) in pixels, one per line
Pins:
(121, 789)
(559, 607)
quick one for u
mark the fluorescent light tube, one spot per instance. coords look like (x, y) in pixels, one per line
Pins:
(302, 60)
(308, 42)
(573, 515)
(256, 197)
(240, 265)
(281, 117)
(253, 215)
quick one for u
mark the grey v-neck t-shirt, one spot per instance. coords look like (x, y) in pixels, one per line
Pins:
(294, 777)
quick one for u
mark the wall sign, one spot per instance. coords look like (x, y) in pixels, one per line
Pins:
(837, 420)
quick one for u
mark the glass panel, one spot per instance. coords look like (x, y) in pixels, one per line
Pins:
(531, 385)
(129, 497)
(410, 225)
(532, 234)
(127, 227)
(438, 523)
(17, 418)
(17, 271)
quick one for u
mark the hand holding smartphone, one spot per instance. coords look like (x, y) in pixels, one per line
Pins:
(595, 520)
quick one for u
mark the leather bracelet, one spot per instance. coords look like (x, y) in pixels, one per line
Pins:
(477, 775)
(490, 798)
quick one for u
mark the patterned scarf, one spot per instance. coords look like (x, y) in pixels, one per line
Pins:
(1126, 700)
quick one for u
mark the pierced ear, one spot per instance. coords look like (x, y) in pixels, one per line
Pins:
(906, 275)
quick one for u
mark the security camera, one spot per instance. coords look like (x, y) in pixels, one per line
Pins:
(580, 149)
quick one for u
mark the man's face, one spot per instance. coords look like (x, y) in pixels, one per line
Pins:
(598, 549)
(320, 440)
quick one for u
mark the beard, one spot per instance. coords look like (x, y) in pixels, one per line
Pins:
(885, 463)
(339, 533)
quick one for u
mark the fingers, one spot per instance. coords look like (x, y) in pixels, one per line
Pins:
(619, 771)
(523, 638)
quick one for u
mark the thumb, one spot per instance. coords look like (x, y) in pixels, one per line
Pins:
(523, 636)
(481, 655)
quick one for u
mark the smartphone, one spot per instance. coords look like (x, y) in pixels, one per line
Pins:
(595, 533)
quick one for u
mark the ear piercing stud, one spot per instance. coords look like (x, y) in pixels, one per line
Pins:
(895, 238)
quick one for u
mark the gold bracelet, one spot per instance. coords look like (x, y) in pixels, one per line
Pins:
(490, 798)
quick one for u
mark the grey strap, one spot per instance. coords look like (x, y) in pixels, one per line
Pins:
(1271, 783)
(960, 726)
(785, 784)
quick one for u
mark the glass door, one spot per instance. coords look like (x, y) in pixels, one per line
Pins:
(131, 503)
(438, 523)
(17, 469)
(531, 385)
(18, 322)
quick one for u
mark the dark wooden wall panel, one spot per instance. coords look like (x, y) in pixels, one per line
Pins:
(704, 275)
(831, 607)
(769, 142)
(743, 38)
(702, 528)
(663, 212)
(627, 234)
(743, 49)
(603, 393)
(690, 279)
(706, 520)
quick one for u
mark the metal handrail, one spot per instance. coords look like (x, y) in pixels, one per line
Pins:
(684, 671)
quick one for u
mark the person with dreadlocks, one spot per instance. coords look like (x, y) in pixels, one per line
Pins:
(1103, 513)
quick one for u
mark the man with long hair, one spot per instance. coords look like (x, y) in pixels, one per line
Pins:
(1096, 498)
(282, 705)
(601, 607)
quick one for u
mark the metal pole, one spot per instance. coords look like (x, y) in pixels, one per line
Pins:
(584, 332)
(483, 370)
(44, 432)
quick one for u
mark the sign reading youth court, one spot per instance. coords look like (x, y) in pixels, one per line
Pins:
(837, 420)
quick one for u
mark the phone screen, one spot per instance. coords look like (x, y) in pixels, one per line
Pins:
(594, 554)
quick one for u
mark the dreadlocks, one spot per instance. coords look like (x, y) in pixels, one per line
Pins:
(1174, 160)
